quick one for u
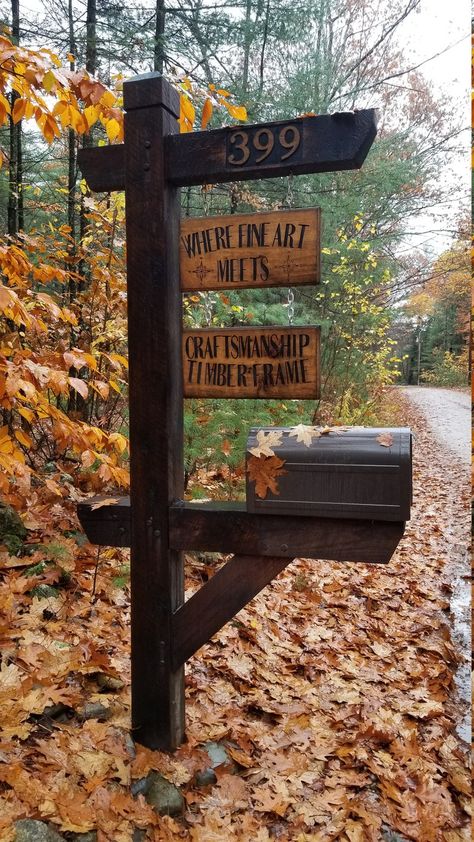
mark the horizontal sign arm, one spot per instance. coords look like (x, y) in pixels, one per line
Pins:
(328, 143)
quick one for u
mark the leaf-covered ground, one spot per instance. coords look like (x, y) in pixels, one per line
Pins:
(332, 694)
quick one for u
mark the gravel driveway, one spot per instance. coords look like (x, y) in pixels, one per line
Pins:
(448, 415)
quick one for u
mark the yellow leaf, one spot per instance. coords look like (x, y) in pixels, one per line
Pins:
(119, 441)
(23, 438)
(119, 358)
(115, 386)
(108, 99)
(91, 113)
(112, 128)
(78, 121)
(26, 413)
(206, 113)
(59, 107)
(49, 81)
(187, 109)
(239, 112)
(6, 445)
(5, 104)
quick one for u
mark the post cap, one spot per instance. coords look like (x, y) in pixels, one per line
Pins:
(148, 90)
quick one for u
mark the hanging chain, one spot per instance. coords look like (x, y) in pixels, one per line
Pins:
(291, 306)
(289, 199)
(209, 301)
(208, 298)
(289, 202)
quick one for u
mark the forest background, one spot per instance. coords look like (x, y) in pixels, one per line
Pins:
(391, 308)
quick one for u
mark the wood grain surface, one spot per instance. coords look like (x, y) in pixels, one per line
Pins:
(253, 362)
(328, 143)
(250, 250)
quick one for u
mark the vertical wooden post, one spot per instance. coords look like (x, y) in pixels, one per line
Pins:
(156, 429)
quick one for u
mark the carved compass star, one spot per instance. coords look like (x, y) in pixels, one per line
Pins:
(201, 272)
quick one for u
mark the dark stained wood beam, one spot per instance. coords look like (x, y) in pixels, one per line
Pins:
(223, 596)
(106, 520)
(330, 142)
(229, 528)
(103, 167)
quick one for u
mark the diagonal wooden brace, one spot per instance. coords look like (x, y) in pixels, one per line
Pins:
(216, 602)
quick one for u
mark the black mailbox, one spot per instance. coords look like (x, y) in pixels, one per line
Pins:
(360, 472)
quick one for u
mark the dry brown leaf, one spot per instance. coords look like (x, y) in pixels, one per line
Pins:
(106, 501)
(304, 434)
(266, 441)
(385, 439)
(264, 472)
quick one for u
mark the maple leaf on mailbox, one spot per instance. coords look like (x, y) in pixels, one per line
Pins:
(263, 472)
(266, 442)
(304, 433)
(385, 439)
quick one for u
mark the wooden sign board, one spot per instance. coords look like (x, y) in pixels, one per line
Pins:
(327, 143)
(250, 250)
(251, 362)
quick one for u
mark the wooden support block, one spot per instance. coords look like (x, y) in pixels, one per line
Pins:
(229, 528)
(106, 524)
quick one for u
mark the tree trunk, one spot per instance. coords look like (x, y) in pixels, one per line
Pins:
(159, 45)
(77, 402)
(15, 163)
(247, 42)
(91, 67)
(72, 171)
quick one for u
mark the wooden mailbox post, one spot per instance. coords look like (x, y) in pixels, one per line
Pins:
(151, 165)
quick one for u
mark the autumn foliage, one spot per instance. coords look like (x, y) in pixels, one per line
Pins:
(331, 693)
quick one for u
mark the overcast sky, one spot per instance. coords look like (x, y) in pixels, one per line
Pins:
(444, 27)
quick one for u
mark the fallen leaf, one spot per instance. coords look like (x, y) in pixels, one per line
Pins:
(264, 473)
(304, 433)
(266, 441)
(107, 501)
(385, 439)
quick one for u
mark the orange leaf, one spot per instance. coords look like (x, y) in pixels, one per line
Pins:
(206, 113)
(18, 110)
(264, 472)
(238, 112)
(225, 447)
